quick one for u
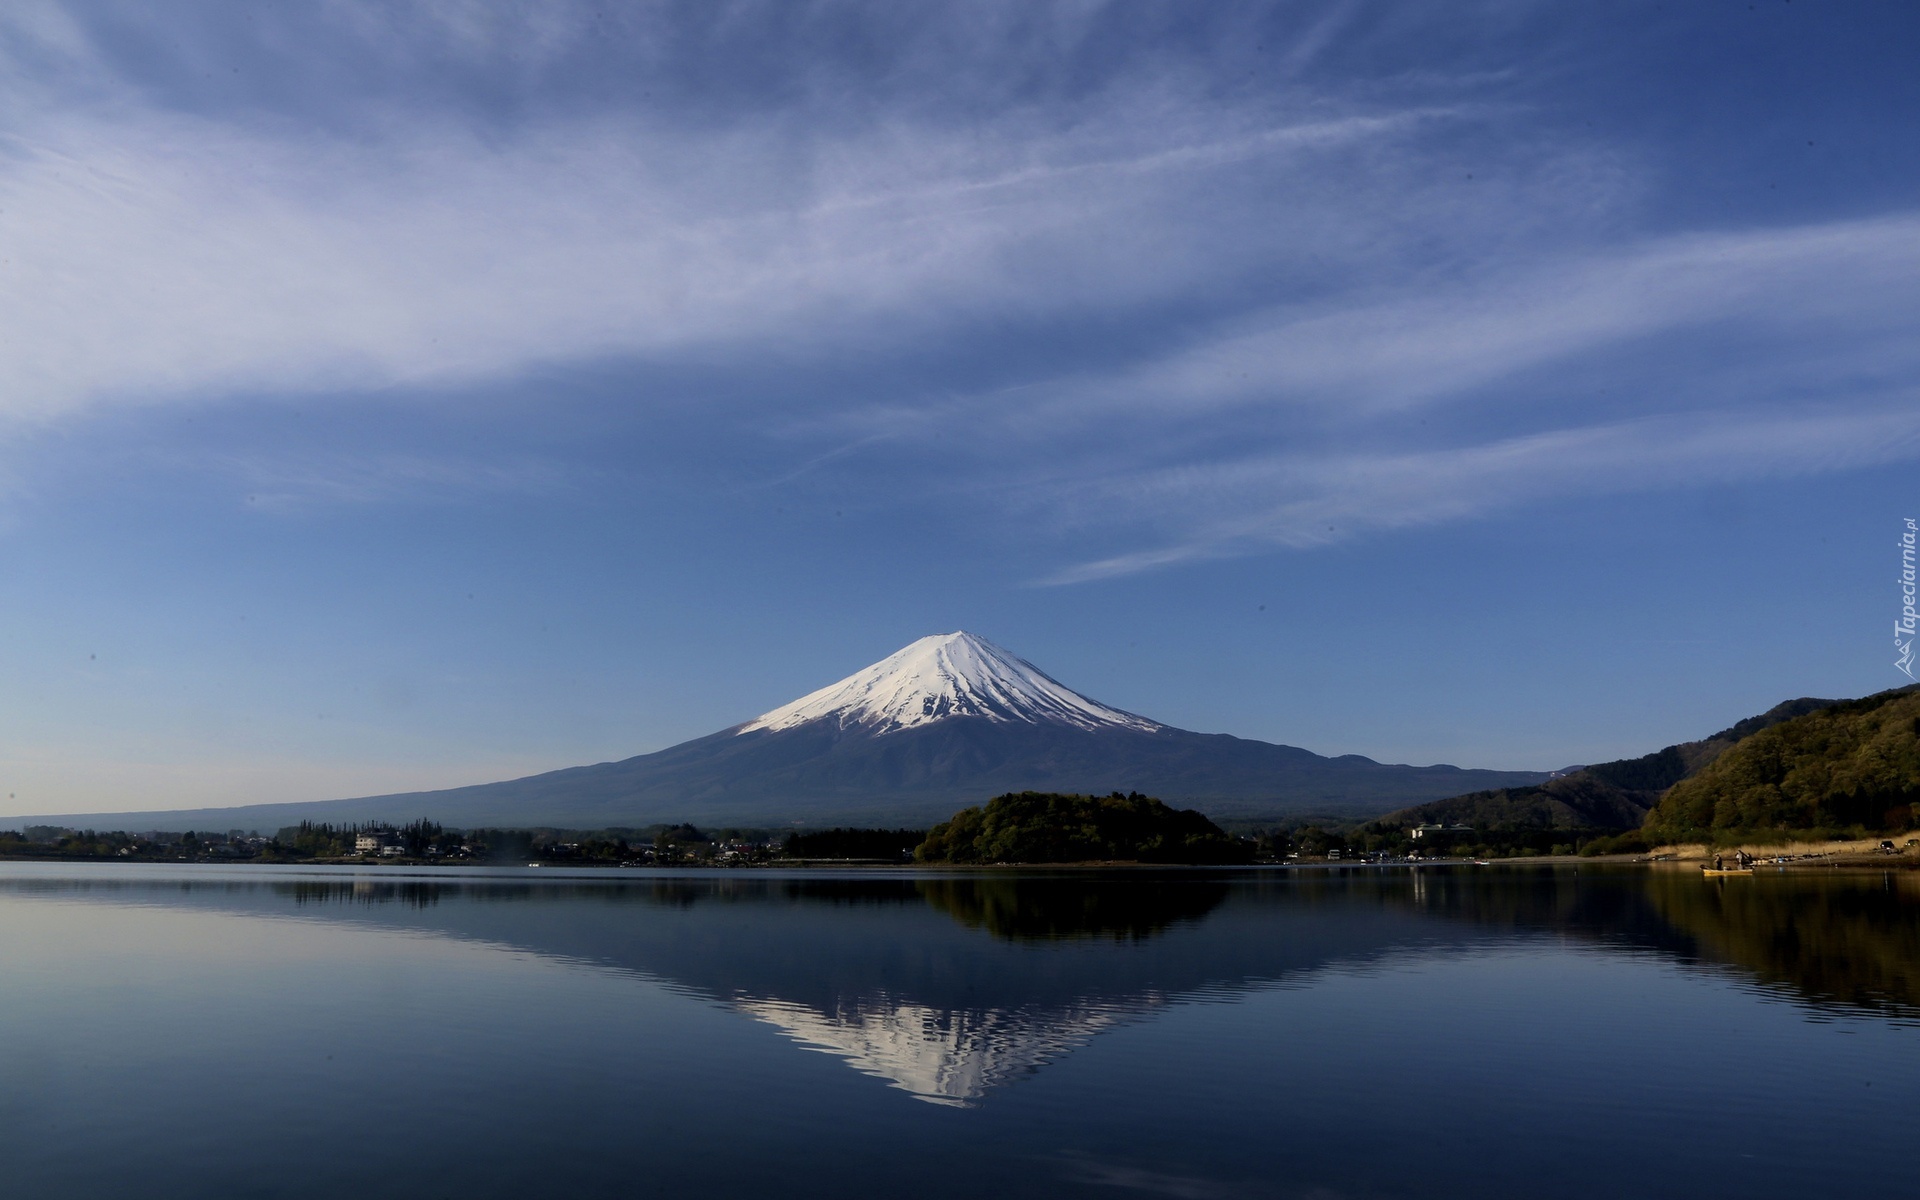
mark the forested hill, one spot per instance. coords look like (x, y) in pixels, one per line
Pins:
(1612, 795)
(1855, 764)
(1052, 827)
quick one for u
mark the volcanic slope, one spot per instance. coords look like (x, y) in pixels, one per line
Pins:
(948, 721)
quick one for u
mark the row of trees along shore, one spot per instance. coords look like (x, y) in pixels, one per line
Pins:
(1018, 827)
(417, 841)
(1845, 770)
(972, 837)
(971, 842)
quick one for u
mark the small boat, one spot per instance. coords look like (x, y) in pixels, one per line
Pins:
(1726, 870)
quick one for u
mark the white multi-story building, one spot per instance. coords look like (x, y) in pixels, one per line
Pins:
(379, 841)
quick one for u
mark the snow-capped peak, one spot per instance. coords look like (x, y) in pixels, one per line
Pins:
(947, 675)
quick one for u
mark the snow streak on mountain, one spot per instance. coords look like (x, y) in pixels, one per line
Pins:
(948, 675)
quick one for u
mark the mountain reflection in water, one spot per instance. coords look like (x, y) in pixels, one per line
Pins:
(950, 986)
(955, 1055)
(1055, 909)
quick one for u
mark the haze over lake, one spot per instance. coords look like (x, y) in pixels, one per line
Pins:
(1448, 1031)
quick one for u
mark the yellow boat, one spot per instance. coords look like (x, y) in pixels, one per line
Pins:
(1726, 871)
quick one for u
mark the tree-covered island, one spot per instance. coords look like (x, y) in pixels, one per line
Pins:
(1052, 827)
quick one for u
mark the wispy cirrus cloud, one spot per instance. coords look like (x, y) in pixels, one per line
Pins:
(1280, 276)
(166, 258)
(1853, 284)
(1667, 362)
(185, 250)
(1293, 500)
(292, 483)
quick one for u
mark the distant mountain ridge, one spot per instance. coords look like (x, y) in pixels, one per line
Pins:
(1853, 764)
(1614, 795)
(945, 722)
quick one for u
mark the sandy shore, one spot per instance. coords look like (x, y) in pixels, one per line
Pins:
(1862, 852)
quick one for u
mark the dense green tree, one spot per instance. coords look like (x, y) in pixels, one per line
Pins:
(1036, 827)
(1852, 766)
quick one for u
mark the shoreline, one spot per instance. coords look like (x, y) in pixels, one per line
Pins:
(1854, 853)
(1851, 852)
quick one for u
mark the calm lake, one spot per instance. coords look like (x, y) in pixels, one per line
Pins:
(294, 1032)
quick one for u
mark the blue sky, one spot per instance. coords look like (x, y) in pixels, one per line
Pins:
(410, 395)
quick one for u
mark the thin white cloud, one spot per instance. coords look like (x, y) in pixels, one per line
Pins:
(152, 256)
(1855, 283)
(171, 258)
(289, 483)
(1301, 501)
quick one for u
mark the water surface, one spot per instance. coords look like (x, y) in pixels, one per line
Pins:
(286, 1032)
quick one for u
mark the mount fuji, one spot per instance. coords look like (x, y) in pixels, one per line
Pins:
(944, 676)
(948, 721)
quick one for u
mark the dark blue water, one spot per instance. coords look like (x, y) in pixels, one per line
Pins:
(292, 1033)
